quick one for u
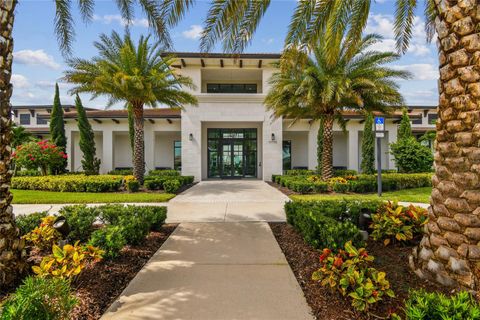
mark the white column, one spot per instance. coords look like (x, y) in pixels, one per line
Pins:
(69, 150)
(149, 139)
(272, 148)
(107, 157)
(191, 148)
(312, 145)
(353, 147)
(392, 137)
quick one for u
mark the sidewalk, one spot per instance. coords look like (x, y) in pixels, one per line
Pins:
(209, 271)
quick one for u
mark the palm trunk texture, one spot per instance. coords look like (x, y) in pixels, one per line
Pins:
(450, 249)
(138, 146)
(11, 246)
(327, 155)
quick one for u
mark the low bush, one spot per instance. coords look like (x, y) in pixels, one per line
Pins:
(26, 223)
(344, 172)
(110, 239)
(350, 273)
(299, 172)
(80, 218)
(164, 172)
(27, 173)
(154, 182)
(121, 172)
(44, 236)
(40, 298)
(411, 156)
(69, 183)
(68, 261)
(422, 305)
(171, 186)
(397, 223)
(328, 223)
(133, 186)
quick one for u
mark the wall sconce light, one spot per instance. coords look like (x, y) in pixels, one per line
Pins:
(273, 137)
(190, 137)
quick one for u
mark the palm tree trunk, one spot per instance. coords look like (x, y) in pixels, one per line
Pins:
(11, 247)
(327, 155)
(450, 251)
(139, 146)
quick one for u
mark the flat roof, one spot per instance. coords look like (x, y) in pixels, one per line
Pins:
(147, 113)
(45, 106)
(218, 55)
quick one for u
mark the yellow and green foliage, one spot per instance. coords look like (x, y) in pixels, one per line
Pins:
(350, 273)
(397, 223)
(68, 261)
(70, 183)
(44, 236)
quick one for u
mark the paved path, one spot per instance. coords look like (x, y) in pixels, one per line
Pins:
(210, 271)
(228, 200)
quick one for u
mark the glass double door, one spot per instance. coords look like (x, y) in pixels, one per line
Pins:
(232, 153)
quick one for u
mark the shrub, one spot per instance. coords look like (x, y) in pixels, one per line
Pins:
(349, 272)
(340, 187)
(27, 173)
(40, 298)
(154, 216)
(80, 218)
(121, 172)
(131, 184)
(164, 172)
(26, 223)
(67, 262)
(110, 239)
(300, 172)
(344, 172)
(328, 223)
(397, 223)
(69, 183)
(436, 306)
(44, 236)
(171, 186)
(39, 154)
(411, 156)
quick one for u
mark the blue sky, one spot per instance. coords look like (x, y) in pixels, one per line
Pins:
(38, 63)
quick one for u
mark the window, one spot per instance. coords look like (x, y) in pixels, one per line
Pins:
(42, 119)
(417, 121)
(287, 155)
(25, 118)
(177, 155)
(432, 118)
(231, 88)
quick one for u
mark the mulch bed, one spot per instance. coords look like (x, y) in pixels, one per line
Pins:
(283, 190)
(325, 304)
(99, 286)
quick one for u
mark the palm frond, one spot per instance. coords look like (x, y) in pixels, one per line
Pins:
(64, 25)
(403, 26)
(174, 10)
(156, 21)
(86, 9)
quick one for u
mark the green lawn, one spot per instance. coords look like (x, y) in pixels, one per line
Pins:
(408, 195)
(51, 197)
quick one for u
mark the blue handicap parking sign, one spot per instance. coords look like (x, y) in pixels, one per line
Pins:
(379, 120)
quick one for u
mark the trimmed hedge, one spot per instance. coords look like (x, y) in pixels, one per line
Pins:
(329, 223)
(358, 184)
(157, 182)
(164, 172)
(69, 183)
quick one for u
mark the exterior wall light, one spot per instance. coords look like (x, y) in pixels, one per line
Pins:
(273, 137)
(190, 137)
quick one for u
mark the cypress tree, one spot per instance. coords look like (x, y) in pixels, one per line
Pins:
(57, 129)
(405, 128)
(368, 146)
(90, 164)
(320, 147)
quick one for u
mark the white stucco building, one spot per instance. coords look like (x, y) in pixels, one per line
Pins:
(229, 134)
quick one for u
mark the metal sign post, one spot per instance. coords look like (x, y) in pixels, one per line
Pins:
(379, 134)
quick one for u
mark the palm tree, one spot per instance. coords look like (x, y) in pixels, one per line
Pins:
(134, 74)
(11, 249)
(311, 86)
(20, 136)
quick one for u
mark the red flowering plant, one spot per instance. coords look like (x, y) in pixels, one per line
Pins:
(350, 273)
(38, 154)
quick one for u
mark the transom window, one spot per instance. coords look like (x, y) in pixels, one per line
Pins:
(231, 88)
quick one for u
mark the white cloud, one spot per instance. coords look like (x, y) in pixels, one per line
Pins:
(268, 41)
(115, 18)
(35, 57)
(51, 84)
(195, 32)
(383, 25)
(420, 71)
(19, 81)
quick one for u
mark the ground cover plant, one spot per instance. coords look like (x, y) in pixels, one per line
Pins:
(97, 238)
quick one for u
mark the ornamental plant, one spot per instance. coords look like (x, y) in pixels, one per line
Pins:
(67, 262)
(44, 236)
(397, 223)
(349, 272)
(39, 154)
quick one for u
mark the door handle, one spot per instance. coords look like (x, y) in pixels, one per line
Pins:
(260, 164)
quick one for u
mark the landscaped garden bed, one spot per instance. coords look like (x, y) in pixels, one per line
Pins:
(78, 268)
(345, 275)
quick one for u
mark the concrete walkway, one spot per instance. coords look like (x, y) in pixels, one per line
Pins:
(228, 200)
(210, 271)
